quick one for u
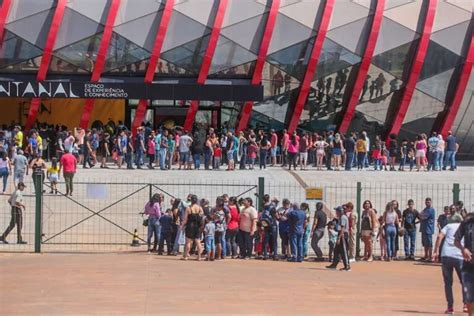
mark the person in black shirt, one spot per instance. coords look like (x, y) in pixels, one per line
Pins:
(393, 151)
(466, 232)
(349, 145)
(409, 217)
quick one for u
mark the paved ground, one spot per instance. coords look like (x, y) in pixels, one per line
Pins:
(141, 284)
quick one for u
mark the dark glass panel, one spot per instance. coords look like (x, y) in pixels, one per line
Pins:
(394, 61)
(438, 59)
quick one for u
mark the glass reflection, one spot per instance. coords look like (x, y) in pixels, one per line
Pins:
(394, 61)
(17, 54)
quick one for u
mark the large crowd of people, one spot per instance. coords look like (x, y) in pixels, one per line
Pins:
(206, 148)
(233, 228)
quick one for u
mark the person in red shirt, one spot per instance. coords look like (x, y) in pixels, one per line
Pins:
(68, 164)
(273, 146)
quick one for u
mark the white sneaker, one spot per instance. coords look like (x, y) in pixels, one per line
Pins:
(352, 260)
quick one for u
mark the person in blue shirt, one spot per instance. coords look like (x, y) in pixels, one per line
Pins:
(450, 155)
(296, 219)
(427, 227)
(432, 151)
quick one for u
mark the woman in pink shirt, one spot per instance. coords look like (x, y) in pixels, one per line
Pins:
(293, 150)
(232, 227)
(153, 210)
(151, 151)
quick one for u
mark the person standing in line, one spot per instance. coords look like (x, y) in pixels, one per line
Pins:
(427, 220)
(350, 146)
(449, 157)
(351, 230)
(297, 220)
(20, 167)
(153, 210)
(390, 219)
(139, 147)
(409, 217)
(151, 151)
(264, 146)
(440, 152)
(293, 151)
(307, 228)
(361, 152)
(273, 147)
(303, 150)
(17, 209)
(68, 165)
(367, 149)
(466, 232)
(193, 225)
(284, 227)
(271, 229)
(393, 151)
(247, 227)
(284, 147)
(451, 259)
(5, 169)
(166, 233)
(209, 232)
(317, 231)
(432, 151)
(185, 142)
(369, 228)
(342, 243)
(232, 228)
(163, 150)
(129, 151)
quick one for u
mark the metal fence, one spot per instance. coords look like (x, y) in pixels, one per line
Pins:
(103, 213)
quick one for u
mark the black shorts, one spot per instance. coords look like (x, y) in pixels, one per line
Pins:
(467, 277)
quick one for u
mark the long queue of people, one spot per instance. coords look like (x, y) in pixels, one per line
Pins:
(164, 148)
(235, 229)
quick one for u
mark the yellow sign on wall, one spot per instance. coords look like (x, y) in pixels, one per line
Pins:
(314, 193)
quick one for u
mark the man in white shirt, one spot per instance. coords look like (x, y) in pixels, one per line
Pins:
(17, 209)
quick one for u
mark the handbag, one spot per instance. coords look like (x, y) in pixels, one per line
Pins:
(145, 222)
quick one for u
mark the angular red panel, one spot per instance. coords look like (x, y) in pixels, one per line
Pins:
(453, 108)
(312, 65)
(262, 55)
(46, 59)
(155, 56)
(4, 10)
(207, 60)
(415, 70)
(364, 66)
(100, 60)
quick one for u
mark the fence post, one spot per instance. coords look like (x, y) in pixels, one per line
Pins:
(359, 202)
(456, 191)
(38, 209)
(261, 192)
(150, 191)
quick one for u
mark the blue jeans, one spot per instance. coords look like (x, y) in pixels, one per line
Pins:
(154, 229)
(360, 160)
(4, 174)
(271, 238)
(450, 158)
(305, 240)
(349, 160)
(163, 152)
(448, 265)
(296, 242)
(366, 161)
(139, 158)
(223, 244)
(403, 161)
(210, 245)
(409, 242)
(179, 235)
(378, 164)
(439, 160)
(391, 234)
(197, 161)
(207, 159)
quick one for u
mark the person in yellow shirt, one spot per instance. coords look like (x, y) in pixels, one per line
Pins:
(53, 175)
(39, 141)
(18, 137)
(361, 150)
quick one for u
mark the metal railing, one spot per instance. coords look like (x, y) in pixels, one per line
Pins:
(103, 215)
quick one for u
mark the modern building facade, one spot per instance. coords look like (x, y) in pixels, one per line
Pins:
(386, 66)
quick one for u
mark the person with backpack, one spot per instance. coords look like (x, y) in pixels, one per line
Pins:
(409, 217)
(466, 232)
(271, 227)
